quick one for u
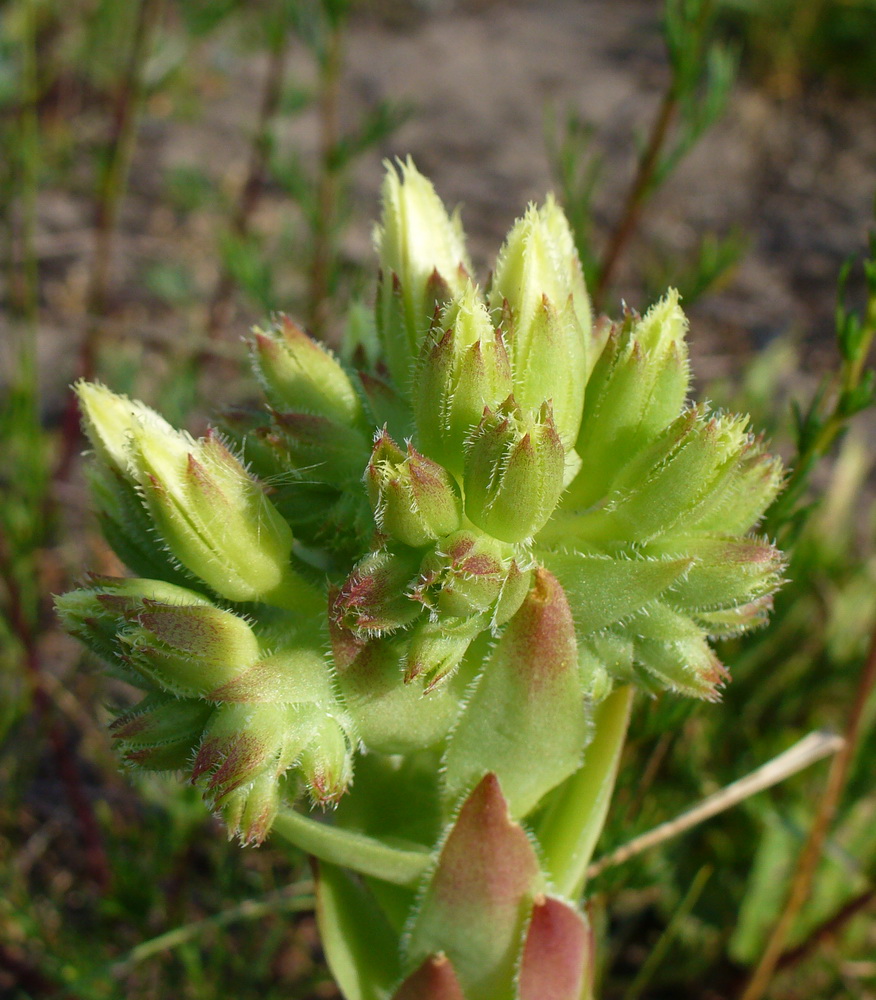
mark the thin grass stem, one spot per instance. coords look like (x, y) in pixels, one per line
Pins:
(807, 862)
(801, 755)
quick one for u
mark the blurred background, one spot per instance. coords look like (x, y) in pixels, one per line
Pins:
(174, 170)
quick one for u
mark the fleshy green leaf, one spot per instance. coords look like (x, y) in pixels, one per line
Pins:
(526, 720)
(360, 946)
(477, 902)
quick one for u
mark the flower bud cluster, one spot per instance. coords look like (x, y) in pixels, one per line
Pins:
(509, 512)
(217, 703)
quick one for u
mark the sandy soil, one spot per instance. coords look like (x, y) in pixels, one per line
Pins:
(797, 176)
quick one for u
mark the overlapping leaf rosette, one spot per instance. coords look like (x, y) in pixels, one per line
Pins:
(451, 554)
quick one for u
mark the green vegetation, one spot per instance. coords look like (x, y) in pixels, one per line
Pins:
(115, 884)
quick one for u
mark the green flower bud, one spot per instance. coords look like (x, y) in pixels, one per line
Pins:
(726, 572)
(375, 598)
(672, 651)
(414, 500)
(241, 741)
(461, 371)
(636, 389)
(250, 811)
(466, 574)
(513, 472)
(213, 517)
(539, 287)
(538, 260)
(189, 650)
(300, 375)
(162, 732)
(326, 763)
(669, 485)
(320, 449)
(247, 749)
(739, 501)
(94, 615)
(436, 648)
(423, 260)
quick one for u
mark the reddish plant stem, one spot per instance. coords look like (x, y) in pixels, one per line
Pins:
(637, 194)
(320, 268)
(829, 929)
(220, 307)
(807, 862)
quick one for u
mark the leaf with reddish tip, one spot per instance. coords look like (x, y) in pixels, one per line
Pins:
(434, 980)
(556, 954)
(527, 718)
(479, 897)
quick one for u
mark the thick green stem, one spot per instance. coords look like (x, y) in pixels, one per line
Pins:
(570, 828)
(361, 853)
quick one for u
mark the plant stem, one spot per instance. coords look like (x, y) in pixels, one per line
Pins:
(570, 828)
(320, 269)
(831, 927)
(807, 862)
(221, 304)
(637, 194)
(660, 949)
(113, 183)
(811, 748)
(349, 849)
(290, 899)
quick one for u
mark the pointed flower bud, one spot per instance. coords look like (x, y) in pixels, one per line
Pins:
(189, 650)
(436, 648)
(669, 485)
(95, 614)
(461, 371)
(422, 260)
(375, 597)
(637, 388)
(326, 763)
(213, 517)
(539, 288)
(513, 472)
(250, 810)
(726, 571)
(247, 749)
(469, 573)
(302, 376)
(162, 732)
(414, 500)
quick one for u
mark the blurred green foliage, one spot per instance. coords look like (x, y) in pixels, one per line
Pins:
(790, 44)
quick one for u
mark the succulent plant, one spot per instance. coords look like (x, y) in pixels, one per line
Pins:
(445, 574)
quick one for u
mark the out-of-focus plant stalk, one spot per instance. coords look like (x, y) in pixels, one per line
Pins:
(318, 304)
(807, 862)
(637, 195)
(118, 152)
(220, 307)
